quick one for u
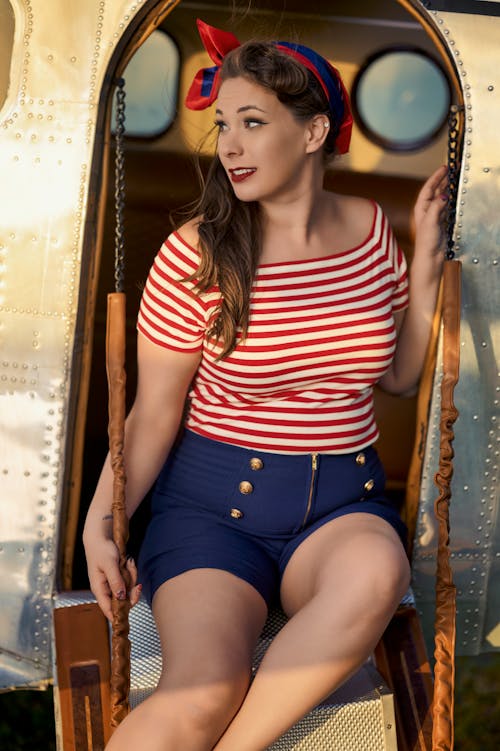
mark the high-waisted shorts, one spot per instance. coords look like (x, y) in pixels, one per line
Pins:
(246, 511)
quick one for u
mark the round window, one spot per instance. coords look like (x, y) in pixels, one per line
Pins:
(151, 79)
(401, 98)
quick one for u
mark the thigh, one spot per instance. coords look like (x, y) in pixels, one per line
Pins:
(357, 557)
(208, 622)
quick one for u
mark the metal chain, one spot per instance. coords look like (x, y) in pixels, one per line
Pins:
(119, 186)
(453, 174)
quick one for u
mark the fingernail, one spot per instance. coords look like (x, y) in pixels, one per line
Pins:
(120, 595)
(444, 197)
(130, 559)
(139, 587)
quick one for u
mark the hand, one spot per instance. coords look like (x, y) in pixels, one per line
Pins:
(105, 578)
(429, 215)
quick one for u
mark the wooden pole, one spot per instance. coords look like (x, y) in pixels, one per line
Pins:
(445, 622)
(115, 364)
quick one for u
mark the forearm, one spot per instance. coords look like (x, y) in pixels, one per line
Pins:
(148, 440)
(413, 339)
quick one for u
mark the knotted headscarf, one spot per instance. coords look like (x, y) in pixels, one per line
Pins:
(204, 89)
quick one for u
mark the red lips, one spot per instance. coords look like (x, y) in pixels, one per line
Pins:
(238, 174)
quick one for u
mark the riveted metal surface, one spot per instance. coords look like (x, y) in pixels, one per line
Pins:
(48, 123)
(474, 517)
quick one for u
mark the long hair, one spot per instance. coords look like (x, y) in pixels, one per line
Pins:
(230, 230)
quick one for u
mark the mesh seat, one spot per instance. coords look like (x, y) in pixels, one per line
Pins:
(357, 717)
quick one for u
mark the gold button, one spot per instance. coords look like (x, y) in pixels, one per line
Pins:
(236, 513)
(361, 459)
(245, 487)
(256, 463)
(369, 485)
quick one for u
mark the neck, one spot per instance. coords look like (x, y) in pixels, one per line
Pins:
(297, 217)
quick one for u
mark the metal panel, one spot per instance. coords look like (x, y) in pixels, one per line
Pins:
(48, 125)
(475, 530)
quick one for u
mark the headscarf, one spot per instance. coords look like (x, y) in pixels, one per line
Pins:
(204, 89)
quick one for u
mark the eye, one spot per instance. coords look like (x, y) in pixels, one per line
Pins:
(252, 122)
(220, 125)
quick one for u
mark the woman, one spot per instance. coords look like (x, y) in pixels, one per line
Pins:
(277, 307)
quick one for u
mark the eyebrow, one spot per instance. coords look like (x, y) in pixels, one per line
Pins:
(245, 108)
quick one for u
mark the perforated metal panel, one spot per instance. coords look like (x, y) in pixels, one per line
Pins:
(357, 717)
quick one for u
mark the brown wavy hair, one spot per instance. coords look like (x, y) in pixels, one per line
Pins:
(230, 230)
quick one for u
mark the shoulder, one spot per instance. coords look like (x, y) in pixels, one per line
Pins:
(357, 210)
(180, 250)
(188, 233)
(354, 219)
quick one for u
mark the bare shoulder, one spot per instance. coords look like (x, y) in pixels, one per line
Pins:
(354, 209)
(353, 217)
(189, 232)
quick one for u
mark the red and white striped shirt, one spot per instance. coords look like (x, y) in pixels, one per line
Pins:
(321, 334)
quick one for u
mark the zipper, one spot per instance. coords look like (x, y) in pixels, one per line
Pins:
(314, 468)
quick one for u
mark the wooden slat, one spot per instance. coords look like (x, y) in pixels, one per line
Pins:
(83, 673)
(402, 661)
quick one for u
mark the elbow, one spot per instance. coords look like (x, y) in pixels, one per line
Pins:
(405, 387)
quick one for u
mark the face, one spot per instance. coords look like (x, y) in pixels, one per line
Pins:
(264, 149)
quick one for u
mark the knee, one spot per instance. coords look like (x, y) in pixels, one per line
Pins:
(211, 706)
(208, 708)
(389, 580)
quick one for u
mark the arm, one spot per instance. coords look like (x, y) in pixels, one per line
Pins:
(414, 324)
(164, 376)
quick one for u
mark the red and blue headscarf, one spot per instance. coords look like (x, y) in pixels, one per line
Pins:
(204, 89)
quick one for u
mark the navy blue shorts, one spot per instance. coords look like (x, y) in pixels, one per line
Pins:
(245, 511)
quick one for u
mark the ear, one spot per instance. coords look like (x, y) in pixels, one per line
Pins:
(316, 133)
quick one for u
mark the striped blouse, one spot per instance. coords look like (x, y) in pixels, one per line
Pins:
(321, 334)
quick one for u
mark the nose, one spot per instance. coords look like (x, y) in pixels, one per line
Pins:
(229, 144)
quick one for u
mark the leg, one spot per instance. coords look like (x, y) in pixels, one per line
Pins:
(340, 590)
(208, 621)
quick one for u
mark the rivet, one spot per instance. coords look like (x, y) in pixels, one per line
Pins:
(245, 487)
(369, 485)
(256, 463)
(491, 88)
(361, 459)
(486, 169)
(236, 513)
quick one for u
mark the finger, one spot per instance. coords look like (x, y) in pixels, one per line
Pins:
(115, 581)
(132, 569)
(101, 591)
(135, 595)
(435, 185)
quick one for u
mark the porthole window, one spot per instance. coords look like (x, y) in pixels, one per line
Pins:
(401, 98)
(151, 85)
(7, 26)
